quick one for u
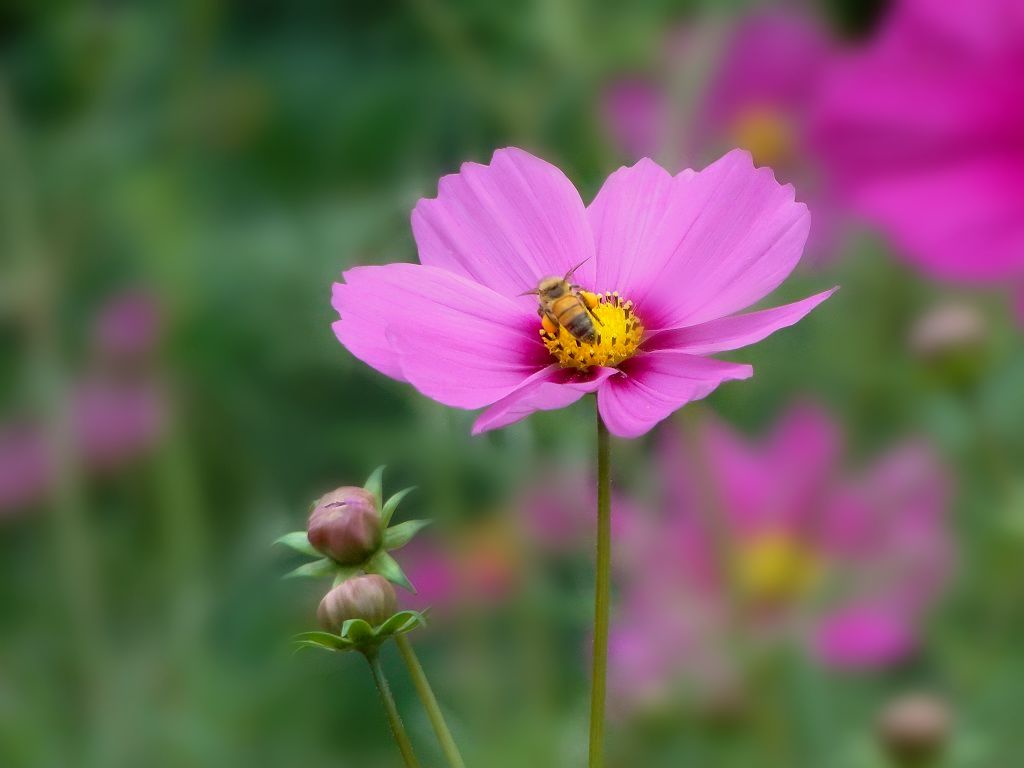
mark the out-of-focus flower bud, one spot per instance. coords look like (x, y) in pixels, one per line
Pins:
(914, 729)
(946, 328)
(345, 525)
(369, 597)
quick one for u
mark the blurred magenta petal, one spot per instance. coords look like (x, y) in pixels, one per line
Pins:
(763, 86)
(769, 540)
(128, 327)
(679, 251)
(637, 116)
(114, 423)
(772, 62)
(25, 467)
(864, 636)
(922, 130)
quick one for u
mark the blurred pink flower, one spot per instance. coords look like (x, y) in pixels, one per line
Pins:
(761, 541)
(924, 130)
(758, 97)
(558, 511)
(685, 252)
(479, 566)
(127, 328)
(116, 411)
(115, 422)
(24, 467)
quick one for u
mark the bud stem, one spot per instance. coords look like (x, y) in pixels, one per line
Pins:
(601, 595)
(394, 719)
(429, 701)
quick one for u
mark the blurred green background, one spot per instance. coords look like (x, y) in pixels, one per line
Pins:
(229, 160)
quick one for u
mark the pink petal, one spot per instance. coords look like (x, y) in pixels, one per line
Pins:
(728, 238)
(655, 384)
(627, 217)
(505, 225)
(735, 331)
(547, 390)
(454, 340)
(864, 636)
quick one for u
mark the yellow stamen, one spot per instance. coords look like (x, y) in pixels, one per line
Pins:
(773, 568)
(766, 134)
(619, 333)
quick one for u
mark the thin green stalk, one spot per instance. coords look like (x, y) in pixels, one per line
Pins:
(429, 701)
(601, 597)
(394, 719)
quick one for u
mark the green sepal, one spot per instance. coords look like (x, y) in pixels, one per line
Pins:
(375, 485)
(385, 565)
(357, 631)
(399, 535)
(358, 635)
(401, 622)
(299, 541)
(303, 644)
(388, 511)
(323, 639)
(344, 572)
(314, 570)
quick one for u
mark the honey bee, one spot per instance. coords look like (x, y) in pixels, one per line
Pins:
(563, 304)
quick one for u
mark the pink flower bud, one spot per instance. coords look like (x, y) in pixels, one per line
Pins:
(370, 597)
(345, 525)
(914, 728)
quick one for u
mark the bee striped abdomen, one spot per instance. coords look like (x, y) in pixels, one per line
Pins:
(572, 315)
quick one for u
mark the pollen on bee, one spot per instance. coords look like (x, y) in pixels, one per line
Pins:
(617, 338)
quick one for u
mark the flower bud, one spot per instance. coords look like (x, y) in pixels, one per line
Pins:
(914, 729)
(345, 525)
(370, 597)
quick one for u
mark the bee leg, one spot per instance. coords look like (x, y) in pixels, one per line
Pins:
(549, 323)
(591, 300)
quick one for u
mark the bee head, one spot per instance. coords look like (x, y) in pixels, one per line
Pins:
(552, 288)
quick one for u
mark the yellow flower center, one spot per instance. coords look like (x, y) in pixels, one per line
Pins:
(618, 335)
(766, 134)
(774, 568)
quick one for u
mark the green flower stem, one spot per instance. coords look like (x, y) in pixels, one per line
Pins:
(601, 596)
(426, 694)
(394, 719)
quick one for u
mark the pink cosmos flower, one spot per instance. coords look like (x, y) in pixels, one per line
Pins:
(760, 541)
(672, 258)
(924, 130)
(759, 96)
